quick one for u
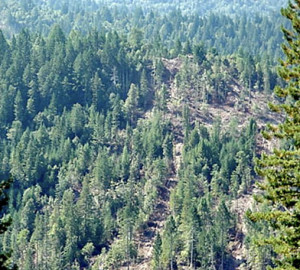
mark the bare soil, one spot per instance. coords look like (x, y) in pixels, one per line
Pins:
(252, 107)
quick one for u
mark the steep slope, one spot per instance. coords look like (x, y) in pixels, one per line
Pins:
(109, 145)
(253, 106)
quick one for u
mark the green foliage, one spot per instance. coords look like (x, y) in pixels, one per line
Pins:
(157, 249)
(281, 168)
(5, 222)
(88, 130)
(168, 244)
(215, 167)
(170, 28)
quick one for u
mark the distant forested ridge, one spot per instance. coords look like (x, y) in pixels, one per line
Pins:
(251, 26)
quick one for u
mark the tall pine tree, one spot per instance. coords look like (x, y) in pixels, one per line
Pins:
(281, 169)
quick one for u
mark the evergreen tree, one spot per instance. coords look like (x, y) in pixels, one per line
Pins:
(64, 104)
(131, 103)
(19, 108)
(97, 91)
(5, 222)
(3, 45)
(281, 168)
(168, 244)
(144, 91)
(156, 263)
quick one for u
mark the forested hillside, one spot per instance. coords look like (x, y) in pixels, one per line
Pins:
(164, 24)
(130, 133)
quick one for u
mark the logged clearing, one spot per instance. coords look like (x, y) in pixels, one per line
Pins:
(254, 106)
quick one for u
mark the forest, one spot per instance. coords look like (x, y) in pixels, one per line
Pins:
(130, 132)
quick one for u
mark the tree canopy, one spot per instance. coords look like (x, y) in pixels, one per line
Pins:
(281, 169)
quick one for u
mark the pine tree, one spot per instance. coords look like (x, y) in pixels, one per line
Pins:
(281, 169)
(131, 103)
(4, 223)
(224, 222)
(3, 45)
(168, 244)
(87, 215)
(19, 108)
(97, 91)
(144, 91)
(156, 263)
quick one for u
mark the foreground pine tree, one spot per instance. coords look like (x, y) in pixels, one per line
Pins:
(281, 169)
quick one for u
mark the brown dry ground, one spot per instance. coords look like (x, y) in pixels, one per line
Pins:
(254, 107)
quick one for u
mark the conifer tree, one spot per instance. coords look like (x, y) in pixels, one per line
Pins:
(156, 263)
(168, 244)
(281, 169)
(4, 224)
(131, 103)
